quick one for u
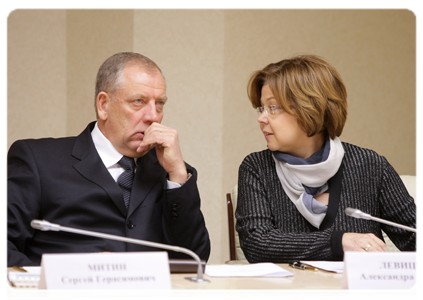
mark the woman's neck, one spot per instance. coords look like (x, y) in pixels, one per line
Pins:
(311, 146)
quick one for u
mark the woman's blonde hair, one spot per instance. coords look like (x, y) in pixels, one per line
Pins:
(307, 87)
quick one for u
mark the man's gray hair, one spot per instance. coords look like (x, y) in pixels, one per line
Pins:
(109, 73)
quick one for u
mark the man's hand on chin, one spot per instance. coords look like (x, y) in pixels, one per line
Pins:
(168, 151)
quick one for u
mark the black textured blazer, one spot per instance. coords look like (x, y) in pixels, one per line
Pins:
(272, 230)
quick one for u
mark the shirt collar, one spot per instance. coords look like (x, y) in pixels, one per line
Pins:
(108, 154)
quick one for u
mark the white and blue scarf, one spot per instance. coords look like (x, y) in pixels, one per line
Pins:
(304, 179)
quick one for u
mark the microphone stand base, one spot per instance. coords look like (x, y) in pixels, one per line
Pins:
(197, 280)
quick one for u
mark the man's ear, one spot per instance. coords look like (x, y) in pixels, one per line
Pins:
(103, 102)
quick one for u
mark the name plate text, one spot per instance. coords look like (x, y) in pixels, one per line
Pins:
(379, 270)
(129, 270)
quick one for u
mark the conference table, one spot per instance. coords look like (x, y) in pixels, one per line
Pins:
(304, 284)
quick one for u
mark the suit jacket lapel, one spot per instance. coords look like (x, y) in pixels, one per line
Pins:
(147, 177)
(92, 168)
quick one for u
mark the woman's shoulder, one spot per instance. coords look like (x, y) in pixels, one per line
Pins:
(258, 159)
(258, 156)
(356, 153)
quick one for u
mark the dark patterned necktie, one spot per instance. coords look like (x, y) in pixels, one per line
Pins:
(126, 178)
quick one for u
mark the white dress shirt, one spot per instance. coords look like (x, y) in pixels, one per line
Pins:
(110, 156)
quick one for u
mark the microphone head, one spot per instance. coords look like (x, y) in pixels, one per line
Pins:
(44, 225)
(353, 212)
(356, 213)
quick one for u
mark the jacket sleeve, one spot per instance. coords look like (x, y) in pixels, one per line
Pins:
(23, 196)
(397, 206)
(184, 223)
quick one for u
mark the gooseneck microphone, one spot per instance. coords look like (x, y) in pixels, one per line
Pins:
(47, 226)
(356, 213)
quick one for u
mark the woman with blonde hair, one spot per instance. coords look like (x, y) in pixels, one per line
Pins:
(292, 196)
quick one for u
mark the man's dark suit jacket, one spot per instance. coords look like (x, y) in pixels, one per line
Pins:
(64, 181)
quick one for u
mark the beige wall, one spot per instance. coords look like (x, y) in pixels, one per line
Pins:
(192, 58)
(207, 57)
(92, 36)
(36, 49)
(374, 51)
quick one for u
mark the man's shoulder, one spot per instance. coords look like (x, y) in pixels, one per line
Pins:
(43, 146)
(46, 141)
(49, 144)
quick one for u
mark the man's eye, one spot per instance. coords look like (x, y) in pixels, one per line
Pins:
(160, 106)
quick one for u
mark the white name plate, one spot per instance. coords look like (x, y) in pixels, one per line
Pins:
(129, 270)
(379, 270)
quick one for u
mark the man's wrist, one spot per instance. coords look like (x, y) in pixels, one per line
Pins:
(174, 185)
(188, 177)
(179, 179)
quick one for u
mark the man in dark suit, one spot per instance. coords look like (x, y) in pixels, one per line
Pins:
(123, 175)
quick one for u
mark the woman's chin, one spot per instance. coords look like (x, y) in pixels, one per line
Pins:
(272, 147)
(277, 148)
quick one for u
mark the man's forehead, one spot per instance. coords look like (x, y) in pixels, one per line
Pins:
(148, 78)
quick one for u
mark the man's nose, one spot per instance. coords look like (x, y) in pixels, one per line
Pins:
(150, 113)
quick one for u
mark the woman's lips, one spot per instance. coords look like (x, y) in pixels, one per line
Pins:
(267, 134)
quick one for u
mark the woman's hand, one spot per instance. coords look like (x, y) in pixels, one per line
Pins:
(362, 242)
